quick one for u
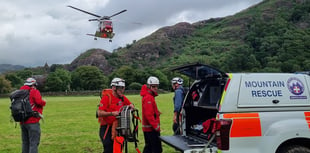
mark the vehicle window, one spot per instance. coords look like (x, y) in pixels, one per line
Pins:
(210, 96)
(206, 93)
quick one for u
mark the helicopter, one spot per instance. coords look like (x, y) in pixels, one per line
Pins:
(105, 26)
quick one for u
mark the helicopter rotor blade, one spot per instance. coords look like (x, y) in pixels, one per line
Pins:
(117, 13)
(93, 20)
(85, 11)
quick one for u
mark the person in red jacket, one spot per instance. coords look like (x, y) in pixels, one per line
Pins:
(150, 116)
(30, 129)
(108, 110)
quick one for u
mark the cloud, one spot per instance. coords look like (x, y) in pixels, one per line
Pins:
(36, 32)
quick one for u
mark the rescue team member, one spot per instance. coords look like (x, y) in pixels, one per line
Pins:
(150, 116)
(178, 98)
(109, 109)
(30, 129)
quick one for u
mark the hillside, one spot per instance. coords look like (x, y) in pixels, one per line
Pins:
(272, 36)
(9, 67)
(93, 57)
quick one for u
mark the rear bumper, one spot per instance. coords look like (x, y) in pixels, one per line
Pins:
(187, 146)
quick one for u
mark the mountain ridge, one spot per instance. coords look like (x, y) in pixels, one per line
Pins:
(271, 36)
(9, 67)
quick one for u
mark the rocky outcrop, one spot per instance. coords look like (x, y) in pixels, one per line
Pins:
(93, 57)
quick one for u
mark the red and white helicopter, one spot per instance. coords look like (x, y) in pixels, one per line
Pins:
(105, 26)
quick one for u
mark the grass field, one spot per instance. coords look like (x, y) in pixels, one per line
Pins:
(70, 125)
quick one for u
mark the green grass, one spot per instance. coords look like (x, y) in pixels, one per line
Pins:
(70, 125)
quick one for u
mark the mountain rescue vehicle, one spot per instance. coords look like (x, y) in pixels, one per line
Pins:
(243, 112)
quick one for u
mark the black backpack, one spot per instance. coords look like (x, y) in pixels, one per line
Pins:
(20, 105)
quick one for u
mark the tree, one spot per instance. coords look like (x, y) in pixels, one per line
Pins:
(16, 81)
(163, 80)
(54, 67)
(59, 80)
(24, 74)
(5, 85)
(129, 74)
(135, 86)
(88, 78)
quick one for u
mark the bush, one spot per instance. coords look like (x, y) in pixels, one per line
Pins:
(135, 86)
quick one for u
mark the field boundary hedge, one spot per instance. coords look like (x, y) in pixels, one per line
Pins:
(82, 93)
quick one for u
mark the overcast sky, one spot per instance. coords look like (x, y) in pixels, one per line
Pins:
(33, 32)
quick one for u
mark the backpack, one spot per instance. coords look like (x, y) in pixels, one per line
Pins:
(127, 126)
(20, 107)
(105, 92)
(128, 123)
(185, 91)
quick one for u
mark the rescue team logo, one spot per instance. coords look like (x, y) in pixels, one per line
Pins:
(296, 87)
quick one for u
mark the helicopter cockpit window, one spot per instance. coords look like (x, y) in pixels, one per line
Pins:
(107, 23)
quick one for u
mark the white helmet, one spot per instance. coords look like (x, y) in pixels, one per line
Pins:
(118, 82)
(30, 82)
(152, 80)
(177, 80)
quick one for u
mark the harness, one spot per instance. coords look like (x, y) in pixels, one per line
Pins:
(127, 127)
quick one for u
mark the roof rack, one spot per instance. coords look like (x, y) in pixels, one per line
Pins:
(303, 72)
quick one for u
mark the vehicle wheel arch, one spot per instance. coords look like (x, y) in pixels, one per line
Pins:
(302, 142)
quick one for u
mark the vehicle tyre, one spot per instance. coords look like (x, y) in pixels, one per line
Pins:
(294, 149)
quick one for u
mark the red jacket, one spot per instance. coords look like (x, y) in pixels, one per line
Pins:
(116, 105)
(36, 102)
(150, 113)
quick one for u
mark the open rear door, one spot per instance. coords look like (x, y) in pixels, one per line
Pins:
(188, 143)
(199, 71)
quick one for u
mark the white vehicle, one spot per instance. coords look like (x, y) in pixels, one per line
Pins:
(244, 112)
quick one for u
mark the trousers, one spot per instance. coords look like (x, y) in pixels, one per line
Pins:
(107, 142)
(30, 137)
(176, 126)
(152, 142)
